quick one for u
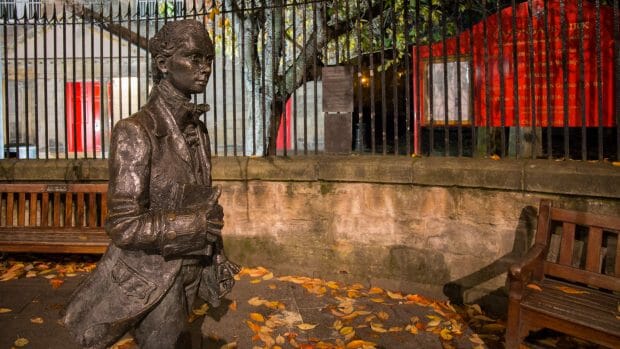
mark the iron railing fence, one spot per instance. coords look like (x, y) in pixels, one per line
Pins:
(521, 79)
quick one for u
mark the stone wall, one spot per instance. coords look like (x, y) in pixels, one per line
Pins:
(400, 236)
(440, 226)
(446, 227)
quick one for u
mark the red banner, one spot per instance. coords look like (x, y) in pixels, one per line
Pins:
(539, 65)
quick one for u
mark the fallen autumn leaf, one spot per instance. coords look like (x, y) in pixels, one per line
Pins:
(21, 342)
(375, 290)
(257, 317)
(256, 301)
(483, 318)
(445, 334)
(570, 290)
(383, 315)
(377, 327)
(534, 287)
(475, 339)
(202, 310)
(411, 329)
(358, 343)
(493, 327)
(306, 327)
(36, 320)
(125, 343)
(56, 282)
(346, 330)
(395, 295)
(333, 285)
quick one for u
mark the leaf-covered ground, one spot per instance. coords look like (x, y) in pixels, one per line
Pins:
(269, 311)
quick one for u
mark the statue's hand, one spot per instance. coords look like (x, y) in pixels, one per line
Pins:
(214, 196)
(214, 220)
(214, 214)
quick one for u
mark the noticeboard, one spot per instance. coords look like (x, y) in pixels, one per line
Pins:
(337, 89)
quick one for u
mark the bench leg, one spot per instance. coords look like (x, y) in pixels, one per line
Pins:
(514, 333)
(512, 338)
(513, 341)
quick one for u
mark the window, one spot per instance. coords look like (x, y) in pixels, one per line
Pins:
(19, 9)
(454, 87)
(160, 8)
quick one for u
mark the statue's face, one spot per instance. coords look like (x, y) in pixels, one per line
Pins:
(189, 68)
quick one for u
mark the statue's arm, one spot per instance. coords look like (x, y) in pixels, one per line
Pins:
(131, 224)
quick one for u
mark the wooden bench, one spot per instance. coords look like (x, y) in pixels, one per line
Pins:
(569, 281)
(53, 218)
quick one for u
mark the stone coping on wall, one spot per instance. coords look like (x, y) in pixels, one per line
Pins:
(590, 179)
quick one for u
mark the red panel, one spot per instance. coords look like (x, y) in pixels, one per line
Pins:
(491, 75)
(280, 138)
(73, 107)
(81, 132)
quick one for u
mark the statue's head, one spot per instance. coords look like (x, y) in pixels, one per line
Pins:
(182, 53)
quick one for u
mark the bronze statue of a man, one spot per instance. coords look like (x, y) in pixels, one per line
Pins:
(164, 218)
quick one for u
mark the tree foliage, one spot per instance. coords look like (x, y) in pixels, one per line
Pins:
(277, 40)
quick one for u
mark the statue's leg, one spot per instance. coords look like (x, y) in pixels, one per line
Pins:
(165, 327)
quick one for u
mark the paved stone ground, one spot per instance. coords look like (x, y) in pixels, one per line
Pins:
(262, 311)
(289, 304)
(267, 311)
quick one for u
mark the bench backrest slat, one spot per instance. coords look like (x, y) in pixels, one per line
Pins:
(542, 227)
(80, 210)
(9, 209)
(53, 205)
(68, 209)
(33, 209)
(92, 213)
(567, 244)
(593, 256)
(56, 210)
(21, 209)
(45, 209)
(585, 218)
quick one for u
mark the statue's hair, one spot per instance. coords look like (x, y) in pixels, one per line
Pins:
(168, 38)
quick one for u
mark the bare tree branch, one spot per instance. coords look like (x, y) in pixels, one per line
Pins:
(107, 24)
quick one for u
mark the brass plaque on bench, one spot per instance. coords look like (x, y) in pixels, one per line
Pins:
(56, 188)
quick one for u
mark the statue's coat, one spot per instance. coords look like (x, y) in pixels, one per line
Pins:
(149, 160)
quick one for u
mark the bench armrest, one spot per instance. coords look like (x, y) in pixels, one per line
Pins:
(522, 270)
(521, 273)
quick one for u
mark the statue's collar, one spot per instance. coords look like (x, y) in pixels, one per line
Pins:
(178, 104)
(180, 107)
